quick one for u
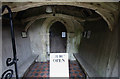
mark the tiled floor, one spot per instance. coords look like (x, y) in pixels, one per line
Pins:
(41, 69)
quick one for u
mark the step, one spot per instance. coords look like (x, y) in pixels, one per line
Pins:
(91, 72)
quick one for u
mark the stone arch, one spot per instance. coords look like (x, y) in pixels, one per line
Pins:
(60, 20)
(33, 19)
(48, 23)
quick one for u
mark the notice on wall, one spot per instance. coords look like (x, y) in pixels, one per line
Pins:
(59, 66)
(63, 34)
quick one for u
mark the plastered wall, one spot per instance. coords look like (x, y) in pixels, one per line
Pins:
(100, 51)
(24, 53)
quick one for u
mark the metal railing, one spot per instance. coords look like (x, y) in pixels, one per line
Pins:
(9, 62)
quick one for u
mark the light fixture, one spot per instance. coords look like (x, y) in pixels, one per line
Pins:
(88, 34)
(24, 34)
(49, 9)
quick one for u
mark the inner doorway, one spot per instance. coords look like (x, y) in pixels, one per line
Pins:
(58, 38)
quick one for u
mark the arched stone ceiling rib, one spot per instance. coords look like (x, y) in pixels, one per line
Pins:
(51, 15)
(109, 11)
(60, 15)
(33, 19)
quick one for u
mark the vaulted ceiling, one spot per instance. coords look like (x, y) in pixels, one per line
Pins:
(83, 10)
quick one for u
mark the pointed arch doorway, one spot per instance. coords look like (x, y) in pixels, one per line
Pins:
(58, 38)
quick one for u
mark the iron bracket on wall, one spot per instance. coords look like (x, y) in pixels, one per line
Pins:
(9, 62)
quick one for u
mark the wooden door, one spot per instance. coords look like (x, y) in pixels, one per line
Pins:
(58, 38)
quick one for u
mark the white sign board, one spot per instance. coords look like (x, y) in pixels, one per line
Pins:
(63, 34)
(59, 66)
